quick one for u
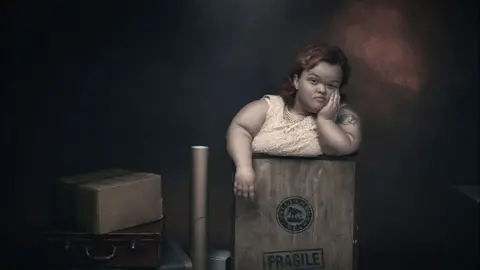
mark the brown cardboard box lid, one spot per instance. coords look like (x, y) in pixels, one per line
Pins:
(93, 176)
(122, 180)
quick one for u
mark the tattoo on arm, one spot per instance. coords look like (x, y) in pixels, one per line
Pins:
(347, 119)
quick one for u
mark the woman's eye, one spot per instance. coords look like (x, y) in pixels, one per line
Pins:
(314, 81)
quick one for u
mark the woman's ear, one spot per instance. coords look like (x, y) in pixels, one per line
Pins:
(295, 81)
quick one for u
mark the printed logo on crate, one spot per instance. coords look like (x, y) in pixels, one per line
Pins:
(294, 214)
(309, 259)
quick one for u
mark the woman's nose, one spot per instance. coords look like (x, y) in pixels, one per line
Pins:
(321, 88)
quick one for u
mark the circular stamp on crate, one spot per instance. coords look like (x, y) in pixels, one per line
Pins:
(294, 214)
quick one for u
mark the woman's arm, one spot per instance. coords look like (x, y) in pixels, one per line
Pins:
(244, 127)
(341, 137)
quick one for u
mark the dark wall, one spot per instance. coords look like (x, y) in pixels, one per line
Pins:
(135, 84)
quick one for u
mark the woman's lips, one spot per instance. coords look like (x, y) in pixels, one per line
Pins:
(320, 99)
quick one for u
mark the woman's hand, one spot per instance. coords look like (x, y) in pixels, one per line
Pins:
(330, 110)
(244, 183)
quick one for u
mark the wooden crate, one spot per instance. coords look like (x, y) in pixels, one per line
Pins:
(302, 216)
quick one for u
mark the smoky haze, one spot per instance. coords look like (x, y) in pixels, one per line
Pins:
(134, 84)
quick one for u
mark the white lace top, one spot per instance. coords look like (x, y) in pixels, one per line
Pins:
(281, 136)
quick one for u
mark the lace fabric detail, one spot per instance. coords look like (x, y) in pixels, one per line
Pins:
(284, 136)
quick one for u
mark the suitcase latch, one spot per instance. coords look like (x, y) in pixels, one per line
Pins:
(133, 245)
(67, 244)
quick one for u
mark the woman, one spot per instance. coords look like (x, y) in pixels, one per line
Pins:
(306, 119)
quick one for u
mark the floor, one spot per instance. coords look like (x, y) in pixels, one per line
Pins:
(456, 249)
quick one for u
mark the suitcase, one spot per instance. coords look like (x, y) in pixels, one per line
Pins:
(174, 258)
(134, 248)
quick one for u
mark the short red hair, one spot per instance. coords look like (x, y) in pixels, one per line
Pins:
(307, 59)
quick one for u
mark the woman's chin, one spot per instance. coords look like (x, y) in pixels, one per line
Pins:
(316, 109)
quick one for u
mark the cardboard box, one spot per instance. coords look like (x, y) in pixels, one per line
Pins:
(65, 190)
(119, 202)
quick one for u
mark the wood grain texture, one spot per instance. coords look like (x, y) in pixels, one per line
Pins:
(329, 186)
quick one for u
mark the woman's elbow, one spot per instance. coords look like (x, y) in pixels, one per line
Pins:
(342, 149)
(349, 149)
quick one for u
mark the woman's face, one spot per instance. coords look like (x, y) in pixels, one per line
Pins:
(315, 86)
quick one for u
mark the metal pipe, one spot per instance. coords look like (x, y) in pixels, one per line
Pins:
(199, 204)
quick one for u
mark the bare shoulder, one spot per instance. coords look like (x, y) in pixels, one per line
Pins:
(347, 116)
(256, 106)
(252, 116)
(254, 109)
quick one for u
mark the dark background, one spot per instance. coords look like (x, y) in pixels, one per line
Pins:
(92, 85)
